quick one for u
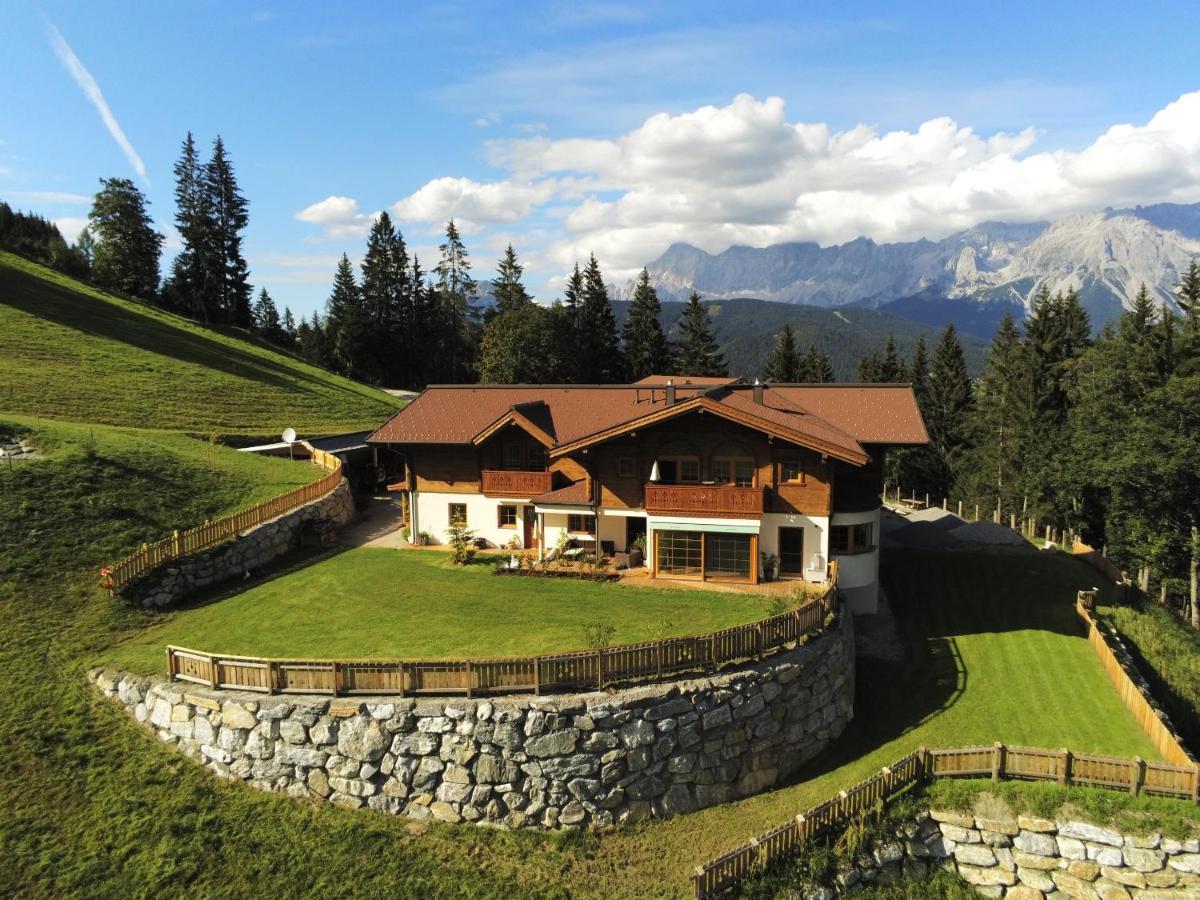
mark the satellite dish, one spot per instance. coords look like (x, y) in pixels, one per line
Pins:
(289, 435)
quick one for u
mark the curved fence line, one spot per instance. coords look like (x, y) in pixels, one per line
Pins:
(997, 761)
(182, 543)
(570, 670)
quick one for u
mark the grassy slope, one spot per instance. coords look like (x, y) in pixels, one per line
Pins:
(1168, 654)
(70, 352)
(379, 593)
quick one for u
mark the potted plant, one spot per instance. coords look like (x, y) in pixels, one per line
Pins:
(770, 566)
(637, 551)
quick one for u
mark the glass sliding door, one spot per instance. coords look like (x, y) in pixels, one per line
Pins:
(680, 553)
(727, 556)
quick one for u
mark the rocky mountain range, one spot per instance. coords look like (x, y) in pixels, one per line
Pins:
(970, 277)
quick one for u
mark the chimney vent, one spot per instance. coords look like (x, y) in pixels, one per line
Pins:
(670, 392)
(758, 391)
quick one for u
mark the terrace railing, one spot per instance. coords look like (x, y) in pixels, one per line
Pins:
(517, 485)
(996, 761)
(706, 499)
(182, 543)
(572, 670)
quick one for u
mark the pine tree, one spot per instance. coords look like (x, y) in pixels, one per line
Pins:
(507, 290)
(196, 274)
(815, 367)
(127, 248)
(289, 327)
(1000, 425)
(783, 365)
(884, 367)
(1187, 295)
(599, 356)
(949, 405)
(918, 372)
(568, 327)
(266, 317)
(385, 302)
(698, 353)
(519, 347)
(645, 346)
(456, 295)
(345, 322)
(229, 217)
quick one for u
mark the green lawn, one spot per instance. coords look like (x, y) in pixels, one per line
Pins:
(68, 351)
(92, 804)
(414, 604)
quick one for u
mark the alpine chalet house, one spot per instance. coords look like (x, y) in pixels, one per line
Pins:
(713, 474)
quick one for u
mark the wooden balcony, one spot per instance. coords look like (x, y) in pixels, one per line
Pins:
(517, 485)
(719, 500)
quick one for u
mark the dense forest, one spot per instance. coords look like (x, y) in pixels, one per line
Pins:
(1100, 436)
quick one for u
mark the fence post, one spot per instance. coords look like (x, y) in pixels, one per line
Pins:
(599, 670)
(175, 549)
(1064, 766)
(469, 679)
(1196, 783)
(170, 665)
(212, 672)
(333, 685)
(537, 676)
(976, 512)
(1137, 776)
(960, 509)
(922, 762)
(658, 656)
(758, 640)
(997, 761)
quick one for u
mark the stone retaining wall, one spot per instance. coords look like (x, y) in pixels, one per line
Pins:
(252, 550)
(1028, 858)
(579, 761)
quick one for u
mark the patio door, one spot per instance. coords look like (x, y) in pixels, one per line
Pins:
(791, 551)
(529, 522)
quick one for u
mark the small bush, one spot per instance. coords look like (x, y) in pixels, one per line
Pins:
(599, 635)
(462, 543)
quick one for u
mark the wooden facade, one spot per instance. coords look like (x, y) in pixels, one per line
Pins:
(512, 463)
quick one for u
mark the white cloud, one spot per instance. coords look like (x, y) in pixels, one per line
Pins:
(488, 120)
(473, 205)
(91, 90)
(339, 216)
(70, 226)
(744, 173)
(62, 198)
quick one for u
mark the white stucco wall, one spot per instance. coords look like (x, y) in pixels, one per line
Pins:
(858, 573)
(433, 516)
(816, 539)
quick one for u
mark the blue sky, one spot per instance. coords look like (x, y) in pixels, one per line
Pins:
(619, 128)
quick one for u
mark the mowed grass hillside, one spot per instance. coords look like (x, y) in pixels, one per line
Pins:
(413, 604)
(71, 352)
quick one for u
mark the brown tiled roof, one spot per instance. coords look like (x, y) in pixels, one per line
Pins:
(873, 413)
(837, 418)
(574, 494)
(685, 380)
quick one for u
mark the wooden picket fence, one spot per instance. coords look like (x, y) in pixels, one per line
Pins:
(1133, 695)
(995, 761)
(572, 670)
(182, 543)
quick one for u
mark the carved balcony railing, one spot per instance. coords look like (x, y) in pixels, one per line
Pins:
(722, 500)
(517, 485)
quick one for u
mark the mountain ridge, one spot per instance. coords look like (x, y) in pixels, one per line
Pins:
(1105, 255)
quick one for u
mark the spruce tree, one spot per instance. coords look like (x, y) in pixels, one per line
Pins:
(599, 356)
(949, 405)
(346, 325)
(229, 217)
(884, 367)
(567, 327)
(507, 290)
(127, 248)
(783, 365)
(519, 347)
(456, 295)
(918, 372)
(385, 304)
(645, 346)
(266, 317)
(196, 274)
(289, 327)
(1187, 295)
(1000, 425)
(815, 367)
(697, 352)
